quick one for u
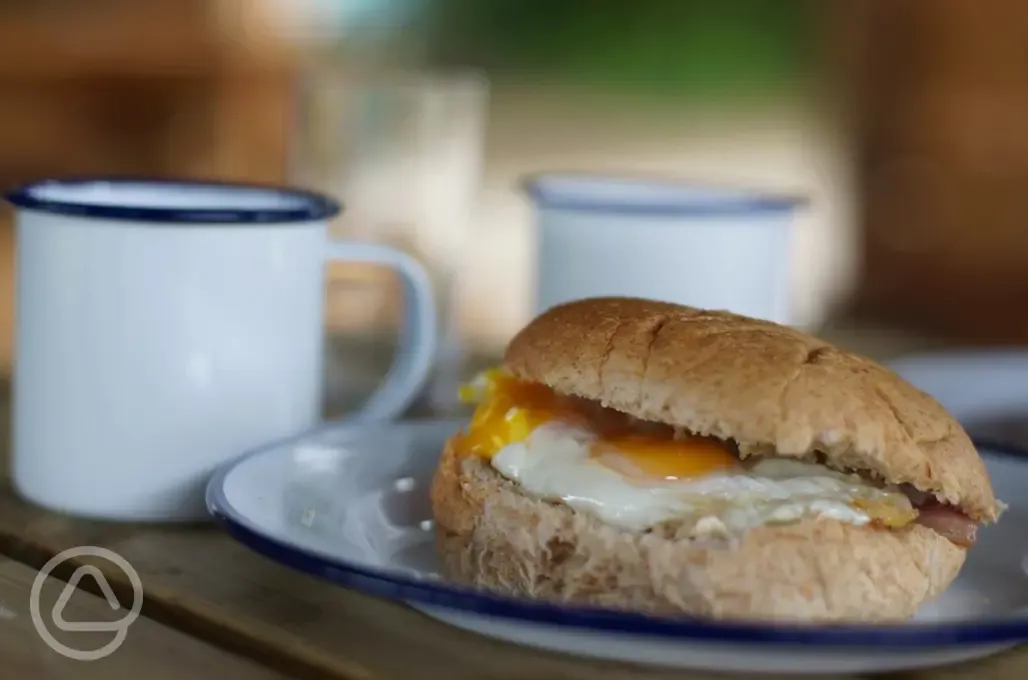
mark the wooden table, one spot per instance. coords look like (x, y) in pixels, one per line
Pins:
(213, 609)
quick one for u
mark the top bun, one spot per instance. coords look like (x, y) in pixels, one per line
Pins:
(769, 388)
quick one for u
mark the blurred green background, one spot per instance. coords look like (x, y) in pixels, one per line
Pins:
(665, 48)
(668, 48)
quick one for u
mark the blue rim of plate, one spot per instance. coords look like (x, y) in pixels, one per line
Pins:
(309, 205)
(399, 586)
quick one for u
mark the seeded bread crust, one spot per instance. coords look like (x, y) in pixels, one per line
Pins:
(767, 387)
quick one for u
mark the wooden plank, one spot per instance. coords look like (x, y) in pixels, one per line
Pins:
(149, 649)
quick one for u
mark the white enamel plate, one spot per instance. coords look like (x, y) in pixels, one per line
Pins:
(350, 504)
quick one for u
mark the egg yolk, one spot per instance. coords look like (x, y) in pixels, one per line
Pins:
(509, 410)
(666, 459)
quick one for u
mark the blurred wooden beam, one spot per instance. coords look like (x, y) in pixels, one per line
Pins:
(156, 37)
(942, 162)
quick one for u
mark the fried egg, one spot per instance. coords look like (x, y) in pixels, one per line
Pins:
(639, 475)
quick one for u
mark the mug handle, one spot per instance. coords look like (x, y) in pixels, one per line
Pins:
(415, 352)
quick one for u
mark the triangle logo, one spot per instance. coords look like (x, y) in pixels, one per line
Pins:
(69, 589)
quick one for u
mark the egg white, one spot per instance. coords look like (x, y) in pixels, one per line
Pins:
(554, 463)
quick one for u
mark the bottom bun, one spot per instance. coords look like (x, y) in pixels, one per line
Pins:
(491, 535)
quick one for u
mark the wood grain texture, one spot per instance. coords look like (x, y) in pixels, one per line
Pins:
(150, 649)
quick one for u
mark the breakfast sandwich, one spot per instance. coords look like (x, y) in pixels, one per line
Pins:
(663, 459)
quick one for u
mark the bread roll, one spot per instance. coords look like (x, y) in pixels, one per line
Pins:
(767, 389)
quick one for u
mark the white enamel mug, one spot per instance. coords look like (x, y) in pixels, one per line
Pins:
(703, 246)
(164, 327)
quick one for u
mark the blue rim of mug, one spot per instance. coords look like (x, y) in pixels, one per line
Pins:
(307, 206)
(398, 585)
(682, 198)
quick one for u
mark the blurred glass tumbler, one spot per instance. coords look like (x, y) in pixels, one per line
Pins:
(691, 244)
(406, 150)
(165, 327)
